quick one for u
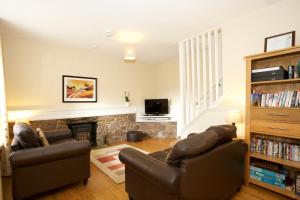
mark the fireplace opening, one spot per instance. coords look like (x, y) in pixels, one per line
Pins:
(84, 131)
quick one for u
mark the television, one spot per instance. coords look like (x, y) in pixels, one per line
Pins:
(156, 106)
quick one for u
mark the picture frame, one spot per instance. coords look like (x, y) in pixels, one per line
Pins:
(280, 41)
(79, 89)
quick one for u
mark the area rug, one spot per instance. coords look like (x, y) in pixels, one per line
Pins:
(107, 160)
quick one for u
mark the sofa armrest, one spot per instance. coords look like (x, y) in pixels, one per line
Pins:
(159, 173)
(55, 135)
(34, 156)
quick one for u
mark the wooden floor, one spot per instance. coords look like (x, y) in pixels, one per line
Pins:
(100, 187)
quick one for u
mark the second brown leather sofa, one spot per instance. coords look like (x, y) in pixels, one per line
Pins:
(206, 166)
(40, 169)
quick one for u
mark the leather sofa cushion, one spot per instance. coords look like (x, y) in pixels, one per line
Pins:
(42, 136)
(192, 146)
(225, 132)
(25, 136)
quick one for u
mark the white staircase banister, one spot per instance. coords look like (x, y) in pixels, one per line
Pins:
(200, 78)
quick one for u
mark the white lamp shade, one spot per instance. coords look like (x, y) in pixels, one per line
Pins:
(130, 54)
(234, 117)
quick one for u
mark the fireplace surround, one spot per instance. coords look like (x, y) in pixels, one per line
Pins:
(84, 131)
(108, 128)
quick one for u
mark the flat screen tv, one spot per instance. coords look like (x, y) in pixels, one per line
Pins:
(156, 106)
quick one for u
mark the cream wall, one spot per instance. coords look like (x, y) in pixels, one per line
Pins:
(241, 37)
(33, 66)
(245, 36)
(167, 83)
(34, 70)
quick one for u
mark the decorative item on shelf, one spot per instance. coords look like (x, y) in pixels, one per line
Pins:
(127, 99)
(280, 41)
(297, 70)
(291, 71)
(25, 121)
(269, 74)
(78, 89)
(234, 117)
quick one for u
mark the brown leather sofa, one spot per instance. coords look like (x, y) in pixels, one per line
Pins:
(206, 166)
(40, 169)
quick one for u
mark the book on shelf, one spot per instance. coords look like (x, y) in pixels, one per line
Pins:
(267, 176)
(274, 174)
(268, 173)
(268, 74)
(284, 99)
(269, 181)
(275, 148)
(267, 165)
(266, 69)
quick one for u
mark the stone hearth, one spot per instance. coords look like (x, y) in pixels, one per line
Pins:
(112, 128)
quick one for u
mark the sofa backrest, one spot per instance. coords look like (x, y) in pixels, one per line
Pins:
(192, 146)
(225, 132)
(215, 173)
(197, 144)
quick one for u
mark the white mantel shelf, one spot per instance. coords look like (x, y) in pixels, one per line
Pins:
(49, 114)
(37, 114)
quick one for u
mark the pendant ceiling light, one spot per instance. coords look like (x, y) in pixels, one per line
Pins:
(130, 54)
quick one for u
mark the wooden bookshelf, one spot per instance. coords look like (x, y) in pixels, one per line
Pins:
(275, 189)
(274, 134)
(290, 163)
(276, 82)
(280, 122)
(283, 108)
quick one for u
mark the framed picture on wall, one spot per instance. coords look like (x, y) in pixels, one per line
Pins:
(280, 41)
(78, 89)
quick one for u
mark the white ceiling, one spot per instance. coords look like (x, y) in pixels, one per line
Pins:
(83, 22)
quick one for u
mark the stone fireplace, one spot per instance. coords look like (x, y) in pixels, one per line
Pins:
(106, 129)
(84, 131)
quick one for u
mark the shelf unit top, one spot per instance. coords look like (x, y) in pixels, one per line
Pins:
(274, 53)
